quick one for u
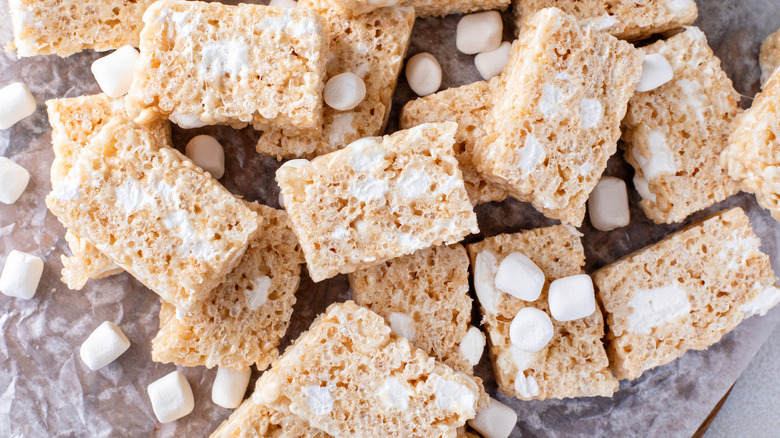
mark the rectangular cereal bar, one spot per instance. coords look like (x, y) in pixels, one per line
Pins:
(684, 293)
(425, 8)
(377, 199)
(556, 122)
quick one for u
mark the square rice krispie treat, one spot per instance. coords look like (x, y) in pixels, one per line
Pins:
(675, 133)
(349, 375)
(769, 58)
(425, 8)
(556, 122)
(625, 19)
(253, 420)
(574, 363)
(371, 46)
(685, 292)
(242, 321)
(65, 27)
(467, 105)
(377, 199)
(209, 63)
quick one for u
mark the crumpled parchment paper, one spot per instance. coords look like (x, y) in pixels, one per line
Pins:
(45, 389)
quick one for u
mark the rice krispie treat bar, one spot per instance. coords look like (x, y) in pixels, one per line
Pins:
(467, 105)
(425, 8)
(685, 292)
(350, 376)
(65, 27)
(209, 63)
(242, 321)
(557, 120)
(769, 57)
(253, 420)
(574, 363)
(675, 133)
(625, 19)
(371, 46)
(377, 199)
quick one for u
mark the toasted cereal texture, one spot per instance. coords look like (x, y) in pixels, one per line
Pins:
(674, 134)
(467, 105)
(425, 8)
(377, 199)
(209, 63)
(372, 46)
(683, 293)
(86, 263)
(769, 58)
(251, 420)
(242, 321)
(61, 27)
(153, 213)
(557, 120)
(625, 19)
(574, 363)
(350, 376)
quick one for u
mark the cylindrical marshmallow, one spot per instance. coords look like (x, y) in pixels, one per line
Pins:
(423, 73)
(103, 346)
(480, 32)
(344, 91)
(491, 63)
(608, 204)
(284, 3)
(402, 325)
(229, 387)
(21, 275)
(13, 180)
(171, 397)
(206, 152)
(16, 103)
(519, 276)
(572, 297)
(496, 421)
(114, 72)
(531, 329)
(281, 200)
(472, 345)
(656, 71)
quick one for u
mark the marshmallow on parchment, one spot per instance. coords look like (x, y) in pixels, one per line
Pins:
(208, 154)
(21, 275)
(608, 204)
(480, 32)
(13, 180)
(572, 297)
(171, 397)
(656, 71)
(16, 103)
(229, 387)
(495, 421)
(531, 329)
(519, 276)
(114, 72)
(103, 346)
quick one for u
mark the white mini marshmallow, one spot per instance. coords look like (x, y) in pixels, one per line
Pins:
(472, 345)
(114, 72)
(642, 186)
(186, 121)
(402, 325)
(103, 346)
(21, 275)
(519, 276)
(531, 329)
(13, 180)
(171, 397)
(16, 103)
(496, 421)
(284, 3)
(344, 91)
(281, 200)
(656, 71)
(480, 32)
(608, 204)
(572, 297)
(491, 63)
(207, 153)
(229, 387)
(423, 73)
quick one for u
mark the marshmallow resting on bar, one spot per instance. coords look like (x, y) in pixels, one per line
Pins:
(424, 8)
(674, 134)
(574, 362)
(684, 292)
(209, 63)
(372, 46)
(114, 72)
(65, 27)
(556, 120)
(624, 19)
(769, 57)
(377, 199)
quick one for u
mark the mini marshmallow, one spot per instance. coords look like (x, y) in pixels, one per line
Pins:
(229, 387)
(103, 346)
(480, 32)
(21, 275)
(519, 276)
(281, 200)
(16, 103)
(207, 153)
(642, 186)
(656, 71)
(171, 397)
(114, 72)
(491, 63)
(423, 73)
(531, 329)
(608, 204)
(402, 325)
(496, 421)
(13, 180)
(284, 3)
(344, 91)
(472, 345)
(572, 297)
